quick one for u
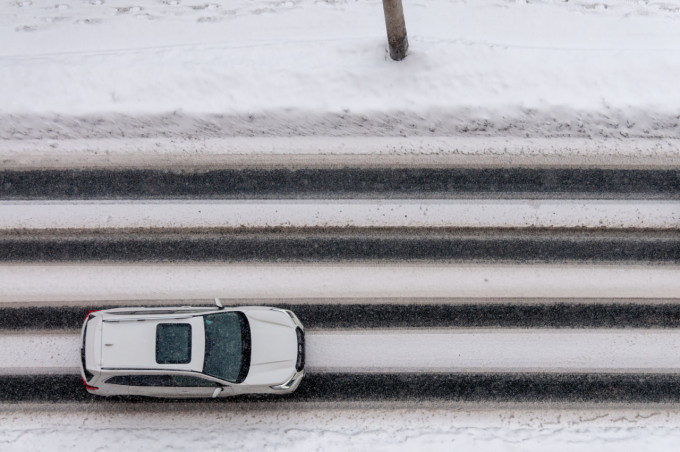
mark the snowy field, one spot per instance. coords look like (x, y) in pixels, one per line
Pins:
(189, 69)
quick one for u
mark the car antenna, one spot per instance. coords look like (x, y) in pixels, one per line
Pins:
(218, 303)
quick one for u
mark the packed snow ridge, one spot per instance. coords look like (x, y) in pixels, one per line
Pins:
(602, 70)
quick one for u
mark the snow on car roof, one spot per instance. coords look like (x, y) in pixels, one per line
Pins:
(131, 344)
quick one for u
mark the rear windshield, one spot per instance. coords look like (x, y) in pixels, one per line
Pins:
(227, 346)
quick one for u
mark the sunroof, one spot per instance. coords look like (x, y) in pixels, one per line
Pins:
(173, 343)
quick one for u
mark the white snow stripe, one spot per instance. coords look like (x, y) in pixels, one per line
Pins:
(44, 352)
(340, 213)
(515, 350)
(333, 151)
(88, 283)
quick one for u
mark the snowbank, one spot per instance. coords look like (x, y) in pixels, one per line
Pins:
(184, 69)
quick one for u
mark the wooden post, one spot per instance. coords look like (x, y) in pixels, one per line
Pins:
(396, 29)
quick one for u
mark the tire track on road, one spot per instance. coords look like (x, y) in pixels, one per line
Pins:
(340, 183)
(581, 314)
(333, 245)
(412, 388)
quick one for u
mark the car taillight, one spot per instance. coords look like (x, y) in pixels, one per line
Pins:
(87, 386)
(90, 312)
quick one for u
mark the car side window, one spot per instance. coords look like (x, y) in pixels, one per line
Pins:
(142, 380)
(187, 381)
(182, 381)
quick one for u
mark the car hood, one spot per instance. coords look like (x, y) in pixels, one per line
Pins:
(273, 347)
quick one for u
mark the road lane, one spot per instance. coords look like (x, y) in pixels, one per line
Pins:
(328, 213)
(611, 351)
(88, 283)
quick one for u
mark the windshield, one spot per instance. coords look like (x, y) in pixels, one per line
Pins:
(227, 346)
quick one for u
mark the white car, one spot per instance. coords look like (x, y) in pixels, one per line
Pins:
(192, 352)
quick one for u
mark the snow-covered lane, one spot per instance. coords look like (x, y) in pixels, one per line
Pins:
(446, 350)
(44, 352)
(544, 213)
(498, 350)
(91, 284)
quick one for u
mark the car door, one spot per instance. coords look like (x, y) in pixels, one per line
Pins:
(170, 386)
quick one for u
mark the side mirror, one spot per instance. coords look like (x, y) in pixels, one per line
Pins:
(217, 392)
(218, 303)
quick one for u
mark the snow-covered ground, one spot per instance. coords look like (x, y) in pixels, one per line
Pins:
(204, 69)
(413, 426)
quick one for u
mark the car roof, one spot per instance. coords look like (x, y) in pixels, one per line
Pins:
(129, 342)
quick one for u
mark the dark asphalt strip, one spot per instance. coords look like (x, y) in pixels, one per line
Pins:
(550, 388)
(340, 183)
(283, 247)
(363, 316)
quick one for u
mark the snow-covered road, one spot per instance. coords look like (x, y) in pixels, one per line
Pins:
(444, 350)
(90, 284)
(84, 215)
